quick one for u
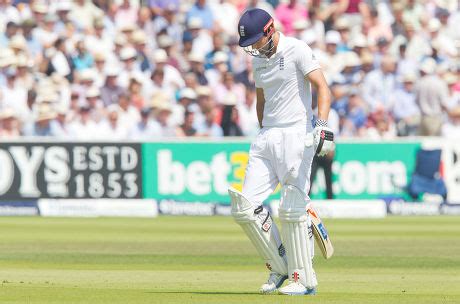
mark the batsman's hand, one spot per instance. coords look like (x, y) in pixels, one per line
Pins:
(323, 140)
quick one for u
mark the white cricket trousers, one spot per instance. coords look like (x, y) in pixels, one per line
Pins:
(278, 155)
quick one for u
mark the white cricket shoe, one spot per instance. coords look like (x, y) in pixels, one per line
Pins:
(275, 280)
(296, 289)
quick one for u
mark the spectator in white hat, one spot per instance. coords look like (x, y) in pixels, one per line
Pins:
(187, 97)
(45, 31)
(24, 77)
(197, 67)
(405, 110)
(14, 96)
(18, 44)
(158, 85)
(202, 40)
(432, 96)
(441, 41)
(84, 128)
(406, 64)
(316, 24)
(397, 27)
(85, 79)
(351, 71)
(42, 126)
(9, 124)
(61, 123)
(300, 28)
(113, 127)
(343, 27)
(109, 19)
(143, 53)
(168, 45)
(99, 68)
(39, 11)
(452, 80)
(329, 60)
(147, 128)
(146, 24)
(173, 77)
(204, 100)
(111, 91)
(100, 36)
(128, 114)
(451, 128)
(11, 29)
(84, 13)
(218, 68)
(218, 46)
(163, 112)
(8, 13)
(230, 121)
(185, 52)
(379, 85)
(130, 67)
(62, 9)
(33, 44)
(226, 15)
(94, 102)
(417, 45)
(359, 44)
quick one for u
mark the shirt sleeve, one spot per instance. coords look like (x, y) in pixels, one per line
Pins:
(306, 60)
(444, 94)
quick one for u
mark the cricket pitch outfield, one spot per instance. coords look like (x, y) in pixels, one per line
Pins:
(210, 260)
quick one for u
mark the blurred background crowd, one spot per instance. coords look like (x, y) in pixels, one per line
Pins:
(130, 69)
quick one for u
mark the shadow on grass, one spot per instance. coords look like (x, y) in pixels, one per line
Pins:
(205, 292)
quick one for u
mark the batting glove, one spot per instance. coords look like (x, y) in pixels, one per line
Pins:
(323, 138)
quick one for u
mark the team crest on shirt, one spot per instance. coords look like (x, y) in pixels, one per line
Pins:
(242, 33)
(281, 63)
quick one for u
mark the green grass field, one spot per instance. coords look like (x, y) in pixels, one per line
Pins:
(209, 260)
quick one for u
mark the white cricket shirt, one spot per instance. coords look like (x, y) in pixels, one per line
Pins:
(282, 77)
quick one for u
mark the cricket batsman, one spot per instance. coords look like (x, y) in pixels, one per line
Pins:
(284, 69)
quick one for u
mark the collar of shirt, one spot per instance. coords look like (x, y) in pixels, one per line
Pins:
(279, 48)
(281, 43)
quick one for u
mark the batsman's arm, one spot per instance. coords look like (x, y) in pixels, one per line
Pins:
(317, 79)
(323, 136)
(260, 105)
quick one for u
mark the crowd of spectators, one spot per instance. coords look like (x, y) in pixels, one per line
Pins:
(143, 70)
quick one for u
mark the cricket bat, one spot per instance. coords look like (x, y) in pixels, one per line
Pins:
(321, 235)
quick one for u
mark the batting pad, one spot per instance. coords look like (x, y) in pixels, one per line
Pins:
(297, 237)
(261, 230)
